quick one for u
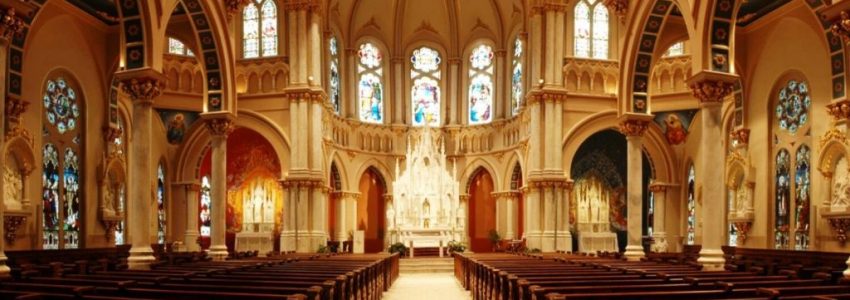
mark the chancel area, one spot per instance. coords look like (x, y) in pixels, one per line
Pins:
(425, 149)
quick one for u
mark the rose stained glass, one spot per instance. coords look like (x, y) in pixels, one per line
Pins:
(792, 110)
(60, 105)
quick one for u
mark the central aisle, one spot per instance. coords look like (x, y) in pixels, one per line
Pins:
(426, 286)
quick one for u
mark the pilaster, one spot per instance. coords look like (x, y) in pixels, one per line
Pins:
(191, 192)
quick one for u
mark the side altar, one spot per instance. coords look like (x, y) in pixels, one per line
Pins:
(425, 211)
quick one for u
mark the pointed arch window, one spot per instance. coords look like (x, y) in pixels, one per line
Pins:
(591, 29)
(791, 139)
(61, 177)
(333, 71)
(161, 224)
(481, 85)
(517, 91)
(370, 87)
(676, 49)
(206, 203)
(692, 206)
(119, 145)
(425, 92)
(177, 47)
(259, 29)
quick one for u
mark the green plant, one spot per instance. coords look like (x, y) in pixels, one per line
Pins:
(397, 248)
(323, 249)
(455, 246)
(494, 237)
(533, 250)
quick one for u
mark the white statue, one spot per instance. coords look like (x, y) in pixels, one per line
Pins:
(840, 193)
(13, 185)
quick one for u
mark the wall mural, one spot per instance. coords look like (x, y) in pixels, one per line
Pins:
(177, 122)
(675, 124)
(254, 196)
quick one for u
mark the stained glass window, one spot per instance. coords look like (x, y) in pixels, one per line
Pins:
(119, 230)
(370, 87)
(801, 192)
(160, 205)
(206, 202)
(177, 47)
(481, 85)
(591, 29)
(425, 92)
(61, 179)
(675, 50)
(792, 111)
(259, 29)
(250, 31)
(516, 77)
(650, 214)
(692, 206)
(783, 197)
(333, 79)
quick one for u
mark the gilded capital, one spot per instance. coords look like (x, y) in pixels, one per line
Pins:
(841, 27)
(11, 24)
(657, 188)
(235, 6)
(220, 126)
(111, 133)
(14, 109)
(307, 5)
(711, 88)
(619, 7)
(741, 136)
(839, 110)
(631, 126)
(142, 85)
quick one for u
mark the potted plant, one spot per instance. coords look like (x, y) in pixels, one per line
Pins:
(495, 239)
(455, 246)
(399, 248)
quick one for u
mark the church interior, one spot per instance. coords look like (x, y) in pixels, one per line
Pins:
(402, 149)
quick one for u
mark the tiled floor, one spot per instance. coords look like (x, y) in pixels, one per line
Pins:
(442, 286)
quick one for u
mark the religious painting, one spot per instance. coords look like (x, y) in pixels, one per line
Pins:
(176, 123)
(675, 124)
(426, 102)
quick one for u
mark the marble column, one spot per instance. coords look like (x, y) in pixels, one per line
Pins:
(464, 219)
(659, 234)
(633, 127)
(219, 129)
(550, 211)
(340, 231)
(351, 213)
(711, 88)
(501, 213)
(319, 216)
(14, 107)
(511, 215)
(143, 86)
(190, 238)
(287, 233)
(565, 237)
(532, 231)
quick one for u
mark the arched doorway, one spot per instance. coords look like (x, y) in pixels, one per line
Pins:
(254, 195)
(482, 211)
(371, 208)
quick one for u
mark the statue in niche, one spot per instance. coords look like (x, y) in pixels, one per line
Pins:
(13, 187)
(840, 193)
(741, 198)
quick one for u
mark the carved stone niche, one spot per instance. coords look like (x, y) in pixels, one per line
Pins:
(112, 186)
(18, 161)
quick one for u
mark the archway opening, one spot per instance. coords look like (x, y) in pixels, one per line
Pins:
(482, 212)
(371, 208)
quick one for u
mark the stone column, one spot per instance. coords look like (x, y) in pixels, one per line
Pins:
(339, 225)
(319, 219)
(143, 86)
(550, 211)
(464, 206)
(190, 238)
(287, 233)
(501, 213)
(511, 214)
(565, 237)
(532, 231)
(633, 127)
(219, 129)
(351, 212)
(711, 88)
(659, 234)
(350, 81)
(397, 64)
(452, 113)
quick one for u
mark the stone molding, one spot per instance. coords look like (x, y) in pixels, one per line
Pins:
(142, 85)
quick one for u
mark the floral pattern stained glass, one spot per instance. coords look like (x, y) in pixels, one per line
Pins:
(590, 36)
(675, 50)
(582, 30)
(50, 197)
(516, 78)
(792, 111)
(60, 105)
(71, 205)
(481, 85)
(250, 31)
(692, 206)
(269, 18)
(206, 203)
(425, 92)
(160, 205)
(782, 200)
(333, 79)
(801, 192)
(177, 47)
(370, 89)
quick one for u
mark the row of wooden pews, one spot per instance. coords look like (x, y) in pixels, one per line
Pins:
(282, 276)
(574, 276)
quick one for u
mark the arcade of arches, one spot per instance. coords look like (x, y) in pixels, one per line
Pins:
(289, 125)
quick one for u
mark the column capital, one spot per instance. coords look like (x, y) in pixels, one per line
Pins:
(306, 5)
(634, 124)
(111, 133)
(303, 183)
(841, 26)
(740, 136)
(235, 7)
(505, 194)
(545, 95)
(463, 197)
(657, 188)
(549, 5)
(547, 182)
(710, 87)
(839, 110)
(221, 127)
(569, 185)
(142, 85)
(619, 7)
(15, 107)
(346, 195)
(397, 59)
(190, 186)
(302, 94)
(10, 23)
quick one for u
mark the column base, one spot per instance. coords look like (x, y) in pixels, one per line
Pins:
(659, 242)
(564, 241)
(5, 271)
(190, 241)
(711, 259)
(547, 241)
(141, 258)
(634, 252)
(847, 271)
(218, 252)
(534, 240)
(510, 235)
(287, 241)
